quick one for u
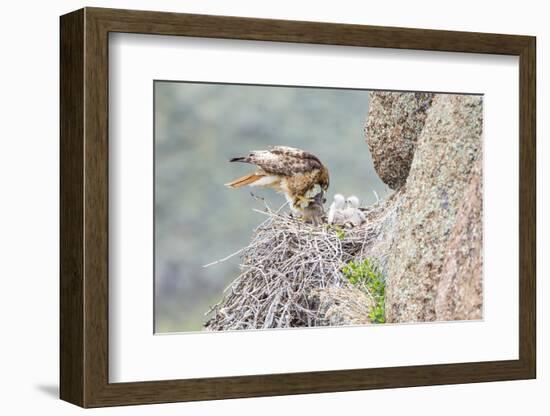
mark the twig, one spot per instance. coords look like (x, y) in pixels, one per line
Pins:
(283, 269)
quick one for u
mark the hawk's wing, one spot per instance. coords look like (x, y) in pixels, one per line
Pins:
(284, 160)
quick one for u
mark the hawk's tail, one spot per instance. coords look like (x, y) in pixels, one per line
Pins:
(245, 180)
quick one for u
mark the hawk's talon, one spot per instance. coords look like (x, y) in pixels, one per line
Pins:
(302, 201)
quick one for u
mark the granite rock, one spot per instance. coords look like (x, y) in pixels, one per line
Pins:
(460, 294)
(448, 148)
(394, 123)
(343, 306)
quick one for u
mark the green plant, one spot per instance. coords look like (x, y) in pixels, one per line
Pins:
(367, 276)
(340, 233)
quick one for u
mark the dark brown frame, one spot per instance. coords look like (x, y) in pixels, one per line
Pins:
(84, 209)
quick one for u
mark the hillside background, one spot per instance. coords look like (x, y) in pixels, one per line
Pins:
(198, 127)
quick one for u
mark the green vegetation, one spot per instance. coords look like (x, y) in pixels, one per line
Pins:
(340, 233)
(367, 276)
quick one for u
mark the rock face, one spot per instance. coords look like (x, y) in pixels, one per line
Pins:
(393, 126)
(448, 148)
(433, 243)
(460, 294)
(343, 306)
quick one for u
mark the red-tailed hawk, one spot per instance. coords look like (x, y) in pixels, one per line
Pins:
(297, 174)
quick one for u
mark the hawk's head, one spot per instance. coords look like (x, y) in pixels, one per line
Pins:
(324, 183)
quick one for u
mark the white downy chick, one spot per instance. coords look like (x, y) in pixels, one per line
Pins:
(336, 209)
(352, 213)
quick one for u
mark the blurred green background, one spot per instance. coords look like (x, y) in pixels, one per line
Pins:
(198, 127)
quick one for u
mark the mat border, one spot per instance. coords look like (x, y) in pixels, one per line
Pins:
(84, 206)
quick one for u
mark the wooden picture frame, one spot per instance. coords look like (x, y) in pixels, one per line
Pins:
(84, 207)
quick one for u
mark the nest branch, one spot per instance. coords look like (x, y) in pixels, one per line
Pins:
(288, 271)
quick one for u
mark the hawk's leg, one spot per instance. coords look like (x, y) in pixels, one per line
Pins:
(302, 201)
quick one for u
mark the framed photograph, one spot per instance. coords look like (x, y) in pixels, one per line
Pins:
(254, 207)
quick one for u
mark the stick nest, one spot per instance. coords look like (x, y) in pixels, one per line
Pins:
(291, 276)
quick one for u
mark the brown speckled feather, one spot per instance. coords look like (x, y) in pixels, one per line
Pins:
(283, 160)
(296, 173)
